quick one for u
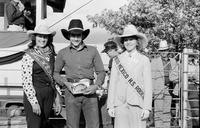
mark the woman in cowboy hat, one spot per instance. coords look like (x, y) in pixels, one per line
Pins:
(80, 62)
(37, 79)
(130, 89)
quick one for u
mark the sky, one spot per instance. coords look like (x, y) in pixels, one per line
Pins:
(97, 35)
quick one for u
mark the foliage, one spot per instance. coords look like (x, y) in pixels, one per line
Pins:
(177, 21)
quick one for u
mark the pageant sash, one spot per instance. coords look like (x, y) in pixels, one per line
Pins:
(45, 65)
(127, 77)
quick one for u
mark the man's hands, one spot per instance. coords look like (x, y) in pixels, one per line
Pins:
(21, 6)
(36, 109)
(111, 112)
(69, 86)
(27, 13)
(91, 89)
(145, 114)
(57, 104)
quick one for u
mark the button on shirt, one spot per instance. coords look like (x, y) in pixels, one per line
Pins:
(79, 64)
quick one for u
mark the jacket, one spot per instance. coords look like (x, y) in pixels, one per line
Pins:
(139, 68)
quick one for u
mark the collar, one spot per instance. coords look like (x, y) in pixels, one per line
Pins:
(83, 46)
(132, 53)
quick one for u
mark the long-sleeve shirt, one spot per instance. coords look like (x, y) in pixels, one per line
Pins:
(14, 15)
(27, 79)
(79, 64)
(33, 78)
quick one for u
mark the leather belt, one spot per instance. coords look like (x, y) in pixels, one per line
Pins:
(73, 80)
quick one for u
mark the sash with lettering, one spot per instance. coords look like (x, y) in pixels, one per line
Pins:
(45, 65)
(127, 77)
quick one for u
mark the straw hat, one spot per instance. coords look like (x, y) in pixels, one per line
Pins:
(41, 29)
(163, 45)
(131, 30)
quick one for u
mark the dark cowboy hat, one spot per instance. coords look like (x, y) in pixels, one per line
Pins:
(109, 45)
(75, 27)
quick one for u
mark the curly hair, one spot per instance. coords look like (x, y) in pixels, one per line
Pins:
(49, 43)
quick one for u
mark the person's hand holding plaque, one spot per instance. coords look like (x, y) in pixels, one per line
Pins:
(91, 89)
(68, 85)
(81, 86)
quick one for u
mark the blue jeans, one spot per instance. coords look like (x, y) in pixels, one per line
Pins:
(87, 103)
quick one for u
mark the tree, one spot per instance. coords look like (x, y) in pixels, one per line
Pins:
(177, 21)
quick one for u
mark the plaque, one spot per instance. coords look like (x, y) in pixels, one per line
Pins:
(81, 86)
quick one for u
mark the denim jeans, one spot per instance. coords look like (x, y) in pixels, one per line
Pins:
(87, 103)
(45, 97)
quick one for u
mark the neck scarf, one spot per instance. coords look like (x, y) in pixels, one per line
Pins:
(43, 61)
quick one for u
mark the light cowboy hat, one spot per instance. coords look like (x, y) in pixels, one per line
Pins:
(131, 30)
(163, 45)
(75, 27)
(41, 29)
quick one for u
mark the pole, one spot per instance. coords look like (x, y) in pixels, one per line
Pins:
(185, 87)
(41, 10)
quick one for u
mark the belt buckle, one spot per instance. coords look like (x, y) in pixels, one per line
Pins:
(72, 80)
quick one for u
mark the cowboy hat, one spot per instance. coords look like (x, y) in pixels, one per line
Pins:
(75, 27)
(130, 31)
(41, 29)
(163, 45)
(109, 45)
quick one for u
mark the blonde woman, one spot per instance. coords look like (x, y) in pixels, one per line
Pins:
(130, 89)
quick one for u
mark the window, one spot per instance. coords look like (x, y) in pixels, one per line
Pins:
(1, 9)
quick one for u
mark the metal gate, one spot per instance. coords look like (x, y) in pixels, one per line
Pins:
(176, 104)
(190, 89)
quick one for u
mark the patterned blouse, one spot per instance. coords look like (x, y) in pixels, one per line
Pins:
(27, 65)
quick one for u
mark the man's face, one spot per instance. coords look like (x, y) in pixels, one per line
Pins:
(164, 53)
(112, 53)
(75, 39)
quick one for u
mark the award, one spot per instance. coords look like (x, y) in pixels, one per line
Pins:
(81, 86)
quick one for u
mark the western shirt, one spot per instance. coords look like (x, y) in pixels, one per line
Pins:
(79, 64)
(14, 15)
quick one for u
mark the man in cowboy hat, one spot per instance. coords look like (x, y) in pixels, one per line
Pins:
(79, 62)
(130, 89)
(165, 76)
